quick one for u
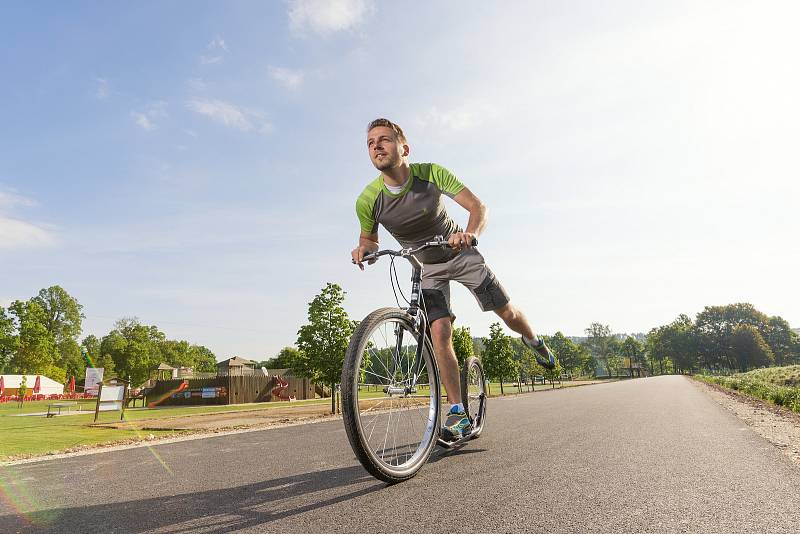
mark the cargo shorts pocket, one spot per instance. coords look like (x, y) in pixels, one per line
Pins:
(490, 293)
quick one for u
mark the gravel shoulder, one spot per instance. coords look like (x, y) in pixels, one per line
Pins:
(777, 425)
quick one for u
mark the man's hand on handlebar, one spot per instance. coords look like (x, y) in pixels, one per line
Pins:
(359, 252)
(462, 240)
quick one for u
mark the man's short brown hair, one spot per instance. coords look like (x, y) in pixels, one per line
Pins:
(398, 132)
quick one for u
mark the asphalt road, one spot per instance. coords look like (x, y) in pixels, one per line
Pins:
(650, 455)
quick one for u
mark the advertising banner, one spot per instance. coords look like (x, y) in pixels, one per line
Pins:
(94, 375)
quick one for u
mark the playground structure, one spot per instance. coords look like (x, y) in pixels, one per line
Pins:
(229, 389)
(279, 391)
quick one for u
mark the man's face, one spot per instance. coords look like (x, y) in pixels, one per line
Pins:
(385, 151)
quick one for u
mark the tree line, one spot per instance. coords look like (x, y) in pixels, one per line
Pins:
(41, 335)
(721, 339)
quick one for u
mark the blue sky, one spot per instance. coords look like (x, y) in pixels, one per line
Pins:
(196, 164)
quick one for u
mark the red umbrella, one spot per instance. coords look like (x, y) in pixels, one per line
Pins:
(38, 384)
(72, 384)
(2, 386)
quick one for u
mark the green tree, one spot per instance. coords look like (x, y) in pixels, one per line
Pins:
(177, 353)
(781, 340)
(633, 351)
(462, 343)
(63, 320)
(614, 364)
(600, 343)
(323, 341)
(570, 355)
(135, 349)
(204, 360)
(498, 355)
(714, 329)
(36, 350)
(8, 339)
(22, 390)
(750, 348)
(285, 359)
(676, 343)
(62, 313)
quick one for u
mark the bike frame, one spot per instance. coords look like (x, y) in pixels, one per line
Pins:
(419, 316)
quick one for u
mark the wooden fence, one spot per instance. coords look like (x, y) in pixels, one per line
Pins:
(231, 389)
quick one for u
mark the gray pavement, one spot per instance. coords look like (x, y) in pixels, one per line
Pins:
(650, 455)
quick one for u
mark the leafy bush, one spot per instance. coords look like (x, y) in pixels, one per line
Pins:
(776, 385)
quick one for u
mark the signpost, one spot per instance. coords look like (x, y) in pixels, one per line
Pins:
(110, 398)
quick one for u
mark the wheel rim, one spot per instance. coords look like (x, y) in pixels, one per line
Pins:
(476, 395)
(395, 412)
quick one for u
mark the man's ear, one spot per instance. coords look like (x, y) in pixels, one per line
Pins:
(406, 150)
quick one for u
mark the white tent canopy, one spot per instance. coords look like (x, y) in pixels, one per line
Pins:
(48, 386)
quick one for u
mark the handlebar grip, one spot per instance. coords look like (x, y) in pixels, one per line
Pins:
(474, 241)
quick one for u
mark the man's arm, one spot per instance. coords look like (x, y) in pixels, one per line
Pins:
(367, 242)
(477, 219)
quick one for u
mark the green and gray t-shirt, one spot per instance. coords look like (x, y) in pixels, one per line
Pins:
(416, 214)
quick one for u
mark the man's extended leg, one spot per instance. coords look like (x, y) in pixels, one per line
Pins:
(516, 321)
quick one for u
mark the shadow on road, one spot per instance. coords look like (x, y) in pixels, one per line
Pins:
(449, 453)
(208, 511)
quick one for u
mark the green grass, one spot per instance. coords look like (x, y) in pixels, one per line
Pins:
(778, 385)
(37, 435)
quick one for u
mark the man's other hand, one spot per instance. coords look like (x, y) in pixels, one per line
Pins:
(358, 254)
(461, 240)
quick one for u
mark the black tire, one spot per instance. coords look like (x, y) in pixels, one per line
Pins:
(414, 413)
(473, 394)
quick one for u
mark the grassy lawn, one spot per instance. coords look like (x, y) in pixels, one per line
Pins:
(778, 385)
(37, 434)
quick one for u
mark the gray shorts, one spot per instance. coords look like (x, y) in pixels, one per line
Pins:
(471, 270)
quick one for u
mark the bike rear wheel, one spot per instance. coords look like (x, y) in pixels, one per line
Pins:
(474, 394)
(390, 405)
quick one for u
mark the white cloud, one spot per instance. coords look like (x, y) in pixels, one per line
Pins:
(218, 49)
(101, 93)
(9, 200)
(146, 119)
(230, 115)
(468, 116)
(327, 16)
(218, 43)
(16, 233)
(142, 120)
(291, 79)
(20, 234)
(196, 84)
(222, 112)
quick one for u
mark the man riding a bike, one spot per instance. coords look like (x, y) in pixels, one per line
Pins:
(406, 199)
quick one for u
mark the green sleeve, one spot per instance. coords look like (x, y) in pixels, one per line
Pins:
(445, 180)
(365, 205)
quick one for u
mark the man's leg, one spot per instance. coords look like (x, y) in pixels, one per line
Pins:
(442, 337)
(516, 321)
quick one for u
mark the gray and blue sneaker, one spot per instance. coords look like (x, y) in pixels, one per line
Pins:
(544, 356)
(456, 425)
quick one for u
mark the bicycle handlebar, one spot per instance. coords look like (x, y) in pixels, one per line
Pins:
(438, 241)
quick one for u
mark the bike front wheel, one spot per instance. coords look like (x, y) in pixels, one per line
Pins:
(474, 394)
(390, 395)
